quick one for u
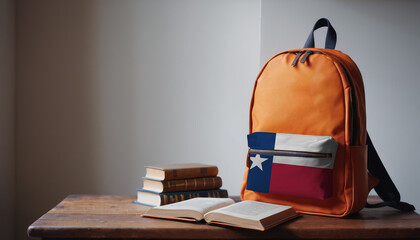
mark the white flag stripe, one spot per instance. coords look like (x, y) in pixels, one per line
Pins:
(305, 143)
(303, 161)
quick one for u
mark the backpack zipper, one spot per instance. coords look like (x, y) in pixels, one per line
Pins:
(307, 53)
(354, 126)
(298, 55)
(290, 153)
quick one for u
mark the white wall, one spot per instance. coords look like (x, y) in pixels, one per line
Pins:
(106, 87)
(7, 119)
(383, 38)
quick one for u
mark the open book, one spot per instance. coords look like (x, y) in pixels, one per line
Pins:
(247, 214)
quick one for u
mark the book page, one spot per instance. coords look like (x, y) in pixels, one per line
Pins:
(251, 210)
(201, 205)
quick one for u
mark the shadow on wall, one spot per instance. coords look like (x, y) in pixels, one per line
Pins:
(58, 122)
(106, 88)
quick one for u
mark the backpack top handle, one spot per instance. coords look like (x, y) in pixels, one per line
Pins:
(331, 38)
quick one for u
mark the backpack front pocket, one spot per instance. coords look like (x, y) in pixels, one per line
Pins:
(290, 164)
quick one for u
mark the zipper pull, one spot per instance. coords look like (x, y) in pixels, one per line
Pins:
(295, 61)
(307, 53)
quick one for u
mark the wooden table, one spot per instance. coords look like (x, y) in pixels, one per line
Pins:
(116, 217)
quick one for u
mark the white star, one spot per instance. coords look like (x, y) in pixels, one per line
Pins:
(256, 161)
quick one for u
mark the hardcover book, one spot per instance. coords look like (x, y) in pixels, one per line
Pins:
(182, 185)
(223, 211)
(154, 199)
(180, 171)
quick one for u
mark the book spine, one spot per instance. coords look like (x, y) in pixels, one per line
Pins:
(167, 198)
(192, 184)
(191, 173)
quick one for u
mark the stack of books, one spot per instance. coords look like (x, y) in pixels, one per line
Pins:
(170, 183)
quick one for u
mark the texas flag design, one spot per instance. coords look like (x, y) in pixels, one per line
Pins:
(303, 167)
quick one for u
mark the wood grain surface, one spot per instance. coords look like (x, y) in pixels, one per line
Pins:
(116, 217)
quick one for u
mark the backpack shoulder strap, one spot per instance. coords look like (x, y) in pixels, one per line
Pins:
(386, 189)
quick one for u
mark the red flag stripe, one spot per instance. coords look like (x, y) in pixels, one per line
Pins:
(301, 181)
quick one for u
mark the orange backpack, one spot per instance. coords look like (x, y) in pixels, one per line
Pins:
(308, 144)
